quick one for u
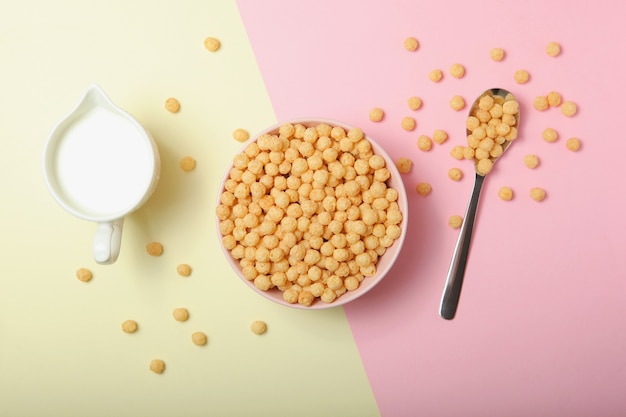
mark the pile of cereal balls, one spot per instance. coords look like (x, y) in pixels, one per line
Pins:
(308, 210)
(492, 126)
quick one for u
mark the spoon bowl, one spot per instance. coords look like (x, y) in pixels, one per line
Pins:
(492, 126)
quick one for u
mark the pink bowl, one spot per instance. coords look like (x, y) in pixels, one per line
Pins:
(384, 263)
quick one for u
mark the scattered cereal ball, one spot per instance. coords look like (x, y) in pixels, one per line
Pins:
(183, 270)
(187, 164)
(550, 135)
(553, 49)
(455, 174)
(129, 326)
(258, 327)
(154, 249)
(531, 161)
(424, 143)
(505, 193)
(180, 314)
(423, 189)
(241, 135)
(457, 103)
(157, 366)
(83, 274)
(212, 44)
(497, 54)
(573, 144)
(439, 136)
(414, 103)
(404, 165)
(199, 338)
(569, 108)
(435, 75)
(521, 76)
(411, 44)
(408, 123)
(172, 105)
(537, 194)
(376, 114)
(554, 99)
(457, 152)
(457, 70)
(455, 221)
(540, 103)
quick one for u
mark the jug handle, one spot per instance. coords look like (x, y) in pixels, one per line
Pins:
(107, 241)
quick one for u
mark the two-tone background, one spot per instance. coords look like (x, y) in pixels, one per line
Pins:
(541, 328)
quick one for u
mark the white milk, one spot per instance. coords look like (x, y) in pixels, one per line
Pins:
(103, 163)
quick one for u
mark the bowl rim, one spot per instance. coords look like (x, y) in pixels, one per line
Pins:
(389, 261)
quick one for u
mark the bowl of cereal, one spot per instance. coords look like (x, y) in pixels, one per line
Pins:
(312, 213)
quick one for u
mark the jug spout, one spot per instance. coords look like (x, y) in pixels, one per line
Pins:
(95, 97)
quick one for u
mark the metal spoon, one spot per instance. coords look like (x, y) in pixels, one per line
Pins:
(454, 280)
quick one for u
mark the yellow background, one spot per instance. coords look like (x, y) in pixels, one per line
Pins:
(62, 351)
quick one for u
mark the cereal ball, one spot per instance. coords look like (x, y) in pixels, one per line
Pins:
(199, 338)
(408, 123)
(187, 164)
(505, 193)
(573, 144)
(457, 103)
(554, 99)
(484, 166)
(550, 135)
(537, 194)
(455, 221)
(183, 270)
(569, 108)
(172, 105)
(455, 174)
(435, 75)
(129, 326)
(180, 314)
(154, 249)
(472, 123)
(457, 70)
(423, 189)
(83, 274)
(290, 295)
(411, 44)
(540, 103)
(485, 103)
(439, 136)
(510, 107)
(258, 327)
(376, 114)
(457, 152)
(157, 366)
(497, 54)
(305, 298)
(424, 143)
(404, 165)
(355, 134)
(212, 44)
(553, 49)
(521, 76)
(415, 103)
(531, 161)
(241, 135)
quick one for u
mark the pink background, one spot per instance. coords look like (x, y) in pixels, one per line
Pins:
(541, 325)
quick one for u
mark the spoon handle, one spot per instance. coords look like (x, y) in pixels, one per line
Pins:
(454, 281)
